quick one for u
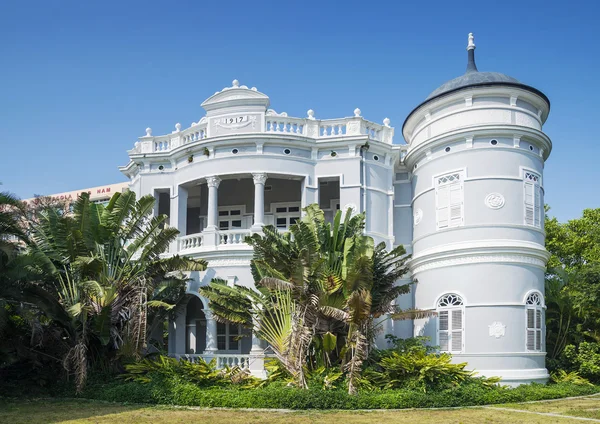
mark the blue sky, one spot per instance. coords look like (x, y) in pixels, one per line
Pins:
(80, 81)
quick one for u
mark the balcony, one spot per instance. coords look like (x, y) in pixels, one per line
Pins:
(271, 123)
(225, 240)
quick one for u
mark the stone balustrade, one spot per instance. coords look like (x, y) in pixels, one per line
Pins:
(310, 127)
(222, 359)
(190, 242)
(233, 237)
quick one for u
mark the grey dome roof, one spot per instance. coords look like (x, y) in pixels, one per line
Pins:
(471, 78)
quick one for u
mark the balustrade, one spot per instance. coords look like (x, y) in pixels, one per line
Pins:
(284, 125)
(324, 129)
(190, 242)
(222, 360)
(233, 237)
(332, 129)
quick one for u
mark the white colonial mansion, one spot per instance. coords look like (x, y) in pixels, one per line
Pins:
(464, 195)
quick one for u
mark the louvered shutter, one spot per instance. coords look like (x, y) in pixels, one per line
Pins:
(529, 193)
(538, 329)
(443, 331)
(442, 206)
(457, 330)
(530, 329)
(456, 204)
(537, 205)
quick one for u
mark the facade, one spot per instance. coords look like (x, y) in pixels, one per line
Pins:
(101, 194)
(464, 196)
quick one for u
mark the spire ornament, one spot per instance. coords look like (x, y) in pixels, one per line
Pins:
(471, 67)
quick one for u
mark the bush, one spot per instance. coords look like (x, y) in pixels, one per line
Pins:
(585, 359)
(200, 372)
(172, 390)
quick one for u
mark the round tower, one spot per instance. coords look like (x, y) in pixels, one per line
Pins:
(477, 152)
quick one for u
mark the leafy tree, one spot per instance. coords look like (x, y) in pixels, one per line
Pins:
(100, 276)
(319, 286)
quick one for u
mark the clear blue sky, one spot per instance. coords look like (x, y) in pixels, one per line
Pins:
(80, 81)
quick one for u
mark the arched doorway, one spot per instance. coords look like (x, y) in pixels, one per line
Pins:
(195, 330)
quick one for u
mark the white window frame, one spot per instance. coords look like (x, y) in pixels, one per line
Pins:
(453, 311)
(534, 322)
(228, 334)
(286, 215)
(533, 210)
(450, 199)
(229, 218)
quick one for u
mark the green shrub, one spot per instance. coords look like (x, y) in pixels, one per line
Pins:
(200, 372)
(585, 359)
(573, 377)
(172, 390)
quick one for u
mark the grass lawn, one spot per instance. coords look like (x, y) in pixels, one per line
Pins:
(72, 411)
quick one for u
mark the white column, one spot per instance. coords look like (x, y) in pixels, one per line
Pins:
(259, 200)
(257, 354)
(213, 202)
(178, 213)
(211, 333)
(180, 334)
(191, 328)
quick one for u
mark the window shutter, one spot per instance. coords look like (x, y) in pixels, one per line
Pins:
(530, 329)
(456, 204)
(529, 203)
(443, 331)
(537, 206)
(457, 330)
(442, 200)
(443, 320)
(444, 341)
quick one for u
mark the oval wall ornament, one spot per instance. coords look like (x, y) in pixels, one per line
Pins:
(494, 200)
(418, 216)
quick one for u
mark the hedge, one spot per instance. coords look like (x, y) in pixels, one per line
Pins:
(172, 391)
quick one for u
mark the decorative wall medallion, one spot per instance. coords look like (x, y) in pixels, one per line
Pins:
(497, 329)
(494, 200)
(418, 216)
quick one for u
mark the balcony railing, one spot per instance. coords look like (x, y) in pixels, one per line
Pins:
(224, 240)
(223, 360)
(324, 130)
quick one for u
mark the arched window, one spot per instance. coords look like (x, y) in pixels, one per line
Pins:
(534, 317)
(450, 309)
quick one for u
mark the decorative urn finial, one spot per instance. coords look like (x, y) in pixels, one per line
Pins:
(386, 122)
(311, 114)
(471, 44)
(235, 83)
(178, 127)
(148, 132)
(357, 113)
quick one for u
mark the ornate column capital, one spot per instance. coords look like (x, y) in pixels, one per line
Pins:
(260, 178)
(213, 181)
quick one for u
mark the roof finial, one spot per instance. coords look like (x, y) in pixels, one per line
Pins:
(471, 67)
(471, 45)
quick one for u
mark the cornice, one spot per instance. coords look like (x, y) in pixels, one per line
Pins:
(476, 252)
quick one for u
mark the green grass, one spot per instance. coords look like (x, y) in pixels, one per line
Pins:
(83, 411)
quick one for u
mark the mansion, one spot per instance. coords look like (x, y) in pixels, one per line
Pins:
(463, 195)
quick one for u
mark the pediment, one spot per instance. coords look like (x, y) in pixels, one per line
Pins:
(236, 95)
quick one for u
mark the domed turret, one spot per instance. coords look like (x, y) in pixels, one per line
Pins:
(476, 151)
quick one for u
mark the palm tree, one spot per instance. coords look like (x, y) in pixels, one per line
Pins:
(102, 276)
(336, 280)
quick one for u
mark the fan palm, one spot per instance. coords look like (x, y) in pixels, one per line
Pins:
(336, 279)
(103, 276)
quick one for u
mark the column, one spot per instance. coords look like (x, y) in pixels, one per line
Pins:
(257, 354)
(213, 202)
(178, 213)
(259, 201)
(180, 334)
(191, 328)
(211, 334)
